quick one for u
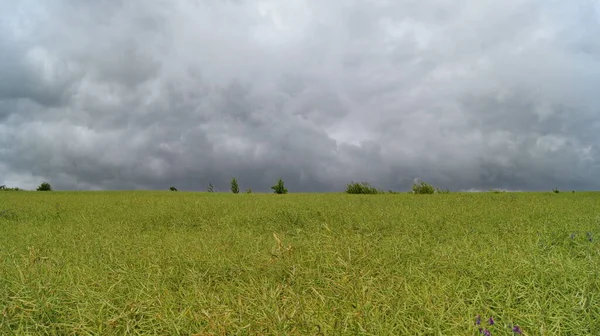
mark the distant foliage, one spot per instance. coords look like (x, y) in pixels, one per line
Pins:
(45, 186)
(422, 187)
(496, 191)
(442, 191)
(279, 188)
(361, 188)
(173, 189)
(210, 188)
(249, 191)
(5, 188)
(234, 186)
(555, 190)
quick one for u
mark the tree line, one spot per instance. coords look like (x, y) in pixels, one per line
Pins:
(418, 187)
(278, 188)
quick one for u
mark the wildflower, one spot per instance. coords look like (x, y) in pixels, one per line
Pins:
(478, 320)
(517, 330)
(487, 333)
(491, 321)
(589, 235)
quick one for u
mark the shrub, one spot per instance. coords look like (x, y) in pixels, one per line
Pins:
(173, 189)
(555, 190)
(279, 188)
(210, 188)
(361, 188)
(442, 191)
(249, 191)
(422, 187)
(234, 186)
(45, 186)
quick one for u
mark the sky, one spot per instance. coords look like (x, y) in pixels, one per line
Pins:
(467, 95)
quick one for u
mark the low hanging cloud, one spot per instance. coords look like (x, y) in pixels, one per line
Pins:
(144, 95)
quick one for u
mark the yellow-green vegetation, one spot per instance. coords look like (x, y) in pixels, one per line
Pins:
(165, 263)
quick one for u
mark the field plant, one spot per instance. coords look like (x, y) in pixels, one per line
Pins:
(169, 263)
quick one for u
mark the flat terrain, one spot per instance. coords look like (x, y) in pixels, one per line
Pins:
(177, 263)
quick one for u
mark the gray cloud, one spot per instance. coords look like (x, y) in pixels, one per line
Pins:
(467, 95)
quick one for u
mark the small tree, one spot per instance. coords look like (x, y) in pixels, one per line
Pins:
(173, 189)
(45, 186)
(234, 186)
(210, 188)
(279, 188)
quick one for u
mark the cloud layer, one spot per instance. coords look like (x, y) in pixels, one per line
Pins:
(476, 94)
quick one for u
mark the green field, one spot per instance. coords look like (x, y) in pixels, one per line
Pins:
(178, 263)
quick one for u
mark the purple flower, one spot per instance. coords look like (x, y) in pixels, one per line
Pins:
(491, 321)
(517, 330)
(478, 320)
(487, 333)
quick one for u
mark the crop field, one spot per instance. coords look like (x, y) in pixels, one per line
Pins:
(183, 263)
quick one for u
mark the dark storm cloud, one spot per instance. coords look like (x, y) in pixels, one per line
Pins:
(129, 95)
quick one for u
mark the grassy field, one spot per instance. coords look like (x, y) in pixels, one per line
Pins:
(175, 263)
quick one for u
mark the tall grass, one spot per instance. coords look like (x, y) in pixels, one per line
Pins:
(164, 263)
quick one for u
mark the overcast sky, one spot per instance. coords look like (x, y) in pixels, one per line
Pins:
(472, 94)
